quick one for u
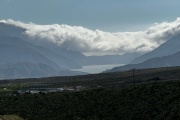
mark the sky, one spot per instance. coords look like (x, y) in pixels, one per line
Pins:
(105, 15)
(95, 27)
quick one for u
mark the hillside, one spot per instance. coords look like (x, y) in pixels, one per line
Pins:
(168, 48)
(166, 61)
(21, 59)
(155, 95)
(14, 50)
(17, 48)
(26, 70)
(154, 101)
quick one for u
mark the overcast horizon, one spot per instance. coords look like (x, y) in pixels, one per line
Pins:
(96, 27)
(105, 15)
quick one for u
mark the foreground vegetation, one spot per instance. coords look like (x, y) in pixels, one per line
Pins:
(150, 101)
(10, 117)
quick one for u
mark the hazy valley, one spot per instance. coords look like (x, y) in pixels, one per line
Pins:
(89, 60)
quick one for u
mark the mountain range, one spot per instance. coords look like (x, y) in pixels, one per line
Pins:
(24, 57)
(166, 55)
(168, 48)
(20, 59)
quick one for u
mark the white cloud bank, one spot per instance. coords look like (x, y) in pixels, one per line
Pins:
(81, 39)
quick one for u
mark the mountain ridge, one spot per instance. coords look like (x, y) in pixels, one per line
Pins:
(166, 61)
(17, 48)
(168, 48)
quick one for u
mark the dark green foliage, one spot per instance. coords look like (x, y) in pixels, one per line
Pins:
(142, 102)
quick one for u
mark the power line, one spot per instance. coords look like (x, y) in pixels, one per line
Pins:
(134, 76)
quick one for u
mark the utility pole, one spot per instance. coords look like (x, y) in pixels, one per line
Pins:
(134, 77)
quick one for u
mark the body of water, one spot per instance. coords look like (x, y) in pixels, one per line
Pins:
(92, 69)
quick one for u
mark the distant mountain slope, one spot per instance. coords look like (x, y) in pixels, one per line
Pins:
(13, 50)
(23, 56)
(60, 59)
(17, 50)
(20, 59)
(64, 57)
(166, 61)
(26, 70)
(32, 70)
(11, 30)
(168, 48)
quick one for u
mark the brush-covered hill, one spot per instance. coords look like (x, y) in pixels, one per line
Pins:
(153, 101)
